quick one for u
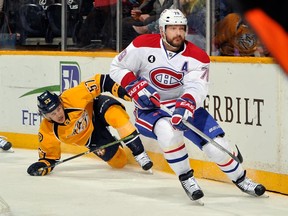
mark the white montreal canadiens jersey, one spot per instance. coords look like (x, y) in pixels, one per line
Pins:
(171, 75)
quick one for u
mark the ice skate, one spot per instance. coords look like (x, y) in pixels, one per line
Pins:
(191, 187)
(5, 145)
(248, 186)
(144, 161)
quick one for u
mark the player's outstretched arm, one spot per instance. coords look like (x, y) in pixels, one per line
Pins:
(114, 88)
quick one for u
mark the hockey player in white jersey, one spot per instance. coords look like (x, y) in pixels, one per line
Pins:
(168, 67)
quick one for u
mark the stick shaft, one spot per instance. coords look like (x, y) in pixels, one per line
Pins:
(89, 151)
(196, 130)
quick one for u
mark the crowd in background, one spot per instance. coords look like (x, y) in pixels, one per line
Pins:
(91, 24)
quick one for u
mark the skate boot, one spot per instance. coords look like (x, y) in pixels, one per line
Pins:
(248, 186)
(144, 161)
(4, 144)
(190, 186)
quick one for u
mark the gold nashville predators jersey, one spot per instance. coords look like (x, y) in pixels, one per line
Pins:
(78, 126)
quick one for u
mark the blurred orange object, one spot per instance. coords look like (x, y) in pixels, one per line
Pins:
(271, 34)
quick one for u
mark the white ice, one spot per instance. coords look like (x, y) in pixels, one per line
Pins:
(89, 187)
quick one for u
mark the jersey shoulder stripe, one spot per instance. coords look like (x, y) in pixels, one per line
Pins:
(195, 52)
(147, 40)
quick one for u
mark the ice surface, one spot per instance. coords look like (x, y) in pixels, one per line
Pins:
(89, 187)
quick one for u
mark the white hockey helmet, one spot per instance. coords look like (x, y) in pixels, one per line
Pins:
(171, 17)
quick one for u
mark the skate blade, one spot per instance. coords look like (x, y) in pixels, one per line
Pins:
(7, 151)
(265, 195)
(199, 202)
(150, 171)
(11, 150)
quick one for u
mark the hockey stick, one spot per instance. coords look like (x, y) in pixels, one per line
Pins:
(237, 158)
(88, 152)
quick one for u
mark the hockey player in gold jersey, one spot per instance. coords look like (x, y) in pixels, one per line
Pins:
(81, 116)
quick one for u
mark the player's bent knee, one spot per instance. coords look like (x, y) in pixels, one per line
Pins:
(119, 160)
(216, 154)
(167, 136)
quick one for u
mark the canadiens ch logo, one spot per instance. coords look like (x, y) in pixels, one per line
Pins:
(166, 78)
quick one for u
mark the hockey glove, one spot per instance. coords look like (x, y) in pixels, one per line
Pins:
(120, 92)
(36, 169)
(184, 110)
(140, 91)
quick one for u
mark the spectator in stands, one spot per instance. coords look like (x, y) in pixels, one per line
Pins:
(100, 24)
(146, 16)
(102, 13)
(91, 26)
(195, 10)
(150, 28)
(140, 10)
(108, 12)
